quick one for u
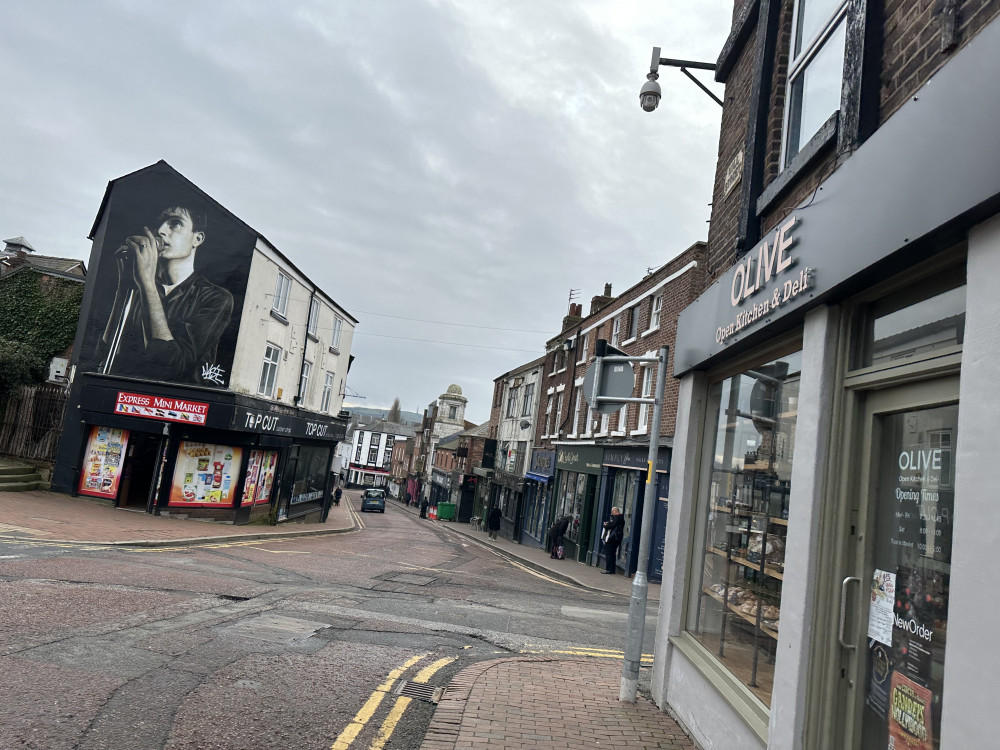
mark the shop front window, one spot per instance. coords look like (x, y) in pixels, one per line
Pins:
(311, 472)
(575, 510)
(205, 474)
(259, 479)
(742, 517)
(629, 492)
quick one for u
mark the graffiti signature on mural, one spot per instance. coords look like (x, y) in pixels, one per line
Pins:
(214, 373)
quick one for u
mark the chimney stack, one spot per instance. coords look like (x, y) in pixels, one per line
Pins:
(601, 301)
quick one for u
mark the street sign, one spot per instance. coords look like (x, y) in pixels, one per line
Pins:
(617, 381)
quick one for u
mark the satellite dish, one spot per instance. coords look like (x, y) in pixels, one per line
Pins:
(525, 424)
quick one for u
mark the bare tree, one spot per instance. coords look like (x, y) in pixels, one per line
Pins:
(395, 412)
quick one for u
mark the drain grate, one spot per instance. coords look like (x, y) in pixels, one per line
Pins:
(420, 691)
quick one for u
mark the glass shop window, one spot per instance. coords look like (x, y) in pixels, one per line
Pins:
(924, 320)
(742, 519)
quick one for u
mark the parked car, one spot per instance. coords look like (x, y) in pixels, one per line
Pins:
(373, 500)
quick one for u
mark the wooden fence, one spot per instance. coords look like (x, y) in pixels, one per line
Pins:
(31, 421)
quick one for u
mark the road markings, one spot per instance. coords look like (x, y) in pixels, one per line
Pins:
(597, 653)
(399, 707)
(389, 725)
(365, 713)
(425, 674)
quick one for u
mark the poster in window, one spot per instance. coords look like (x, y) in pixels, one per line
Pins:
(909, 715)
(102, 463)
(260, 477)
(205, 474)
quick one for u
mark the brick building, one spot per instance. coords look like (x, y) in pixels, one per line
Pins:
(826, 555)
(455, 457)
(598, 460)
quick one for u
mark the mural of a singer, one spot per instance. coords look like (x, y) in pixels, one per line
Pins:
(170, 283)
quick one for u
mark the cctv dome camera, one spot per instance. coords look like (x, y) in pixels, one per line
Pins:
(649, 94)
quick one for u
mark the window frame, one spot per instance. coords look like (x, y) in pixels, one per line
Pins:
(276, 363)
(655, 312)
(798, 66)
(282, 291)
(312, 325)
(512, 397)
(328, 385)
(304, 380)
(528, 401)
(338, 327)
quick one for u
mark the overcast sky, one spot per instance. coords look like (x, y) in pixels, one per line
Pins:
(465, 162)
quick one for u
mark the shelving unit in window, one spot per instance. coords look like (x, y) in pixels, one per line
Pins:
(748, 521)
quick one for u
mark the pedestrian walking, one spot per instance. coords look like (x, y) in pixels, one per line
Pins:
(338, 493)
(555, 537)
(614, 530)
(423, 507)
(493, 522)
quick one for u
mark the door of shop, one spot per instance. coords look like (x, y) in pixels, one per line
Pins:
(895, 590)
(142, 459)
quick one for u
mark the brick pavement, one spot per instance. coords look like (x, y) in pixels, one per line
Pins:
(50, 516)
(549, 704)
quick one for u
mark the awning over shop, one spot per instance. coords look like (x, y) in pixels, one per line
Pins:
(537, 477)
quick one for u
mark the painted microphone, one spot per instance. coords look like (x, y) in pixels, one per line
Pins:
(127, 247)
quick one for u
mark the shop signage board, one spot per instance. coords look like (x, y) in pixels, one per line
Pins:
(160, 407)
(543, 463)
(585, 459)
(878, 206)
(280, 420)
(636, 458)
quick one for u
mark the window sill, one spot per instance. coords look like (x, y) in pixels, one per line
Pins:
(581, 362)
(334, 350)
(279, 317)
(649, 331)
(312, 336)
(626, 342)
(744, 703)
(560, 372)
(618, 434)
(638, 432)
(807, 156)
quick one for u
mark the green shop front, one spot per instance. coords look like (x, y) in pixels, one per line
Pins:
(578, 475)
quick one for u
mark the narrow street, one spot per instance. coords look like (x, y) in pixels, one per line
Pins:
(292, 643)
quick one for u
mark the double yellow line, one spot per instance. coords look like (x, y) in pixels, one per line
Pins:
(367, 711)
(599, 653)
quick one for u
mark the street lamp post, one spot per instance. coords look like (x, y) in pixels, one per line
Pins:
(601, 401)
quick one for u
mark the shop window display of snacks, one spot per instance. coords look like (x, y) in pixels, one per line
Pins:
(743, 520)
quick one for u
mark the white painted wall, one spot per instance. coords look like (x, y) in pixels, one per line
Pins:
(972, 664)
(509, 428)
(258, 327)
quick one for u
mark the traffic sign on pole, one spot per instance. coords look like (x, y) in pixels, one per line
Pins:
(617, 380)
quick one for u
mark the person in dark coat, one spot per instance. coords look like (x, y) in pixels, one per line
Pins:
(423, 507)
(337, 494)
(493, 522)
(556, 533)
(614, 529)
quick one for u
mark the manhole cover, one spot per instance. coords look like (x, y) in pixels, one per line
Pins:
(420, 691)
(412, 579)
(276, 628)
